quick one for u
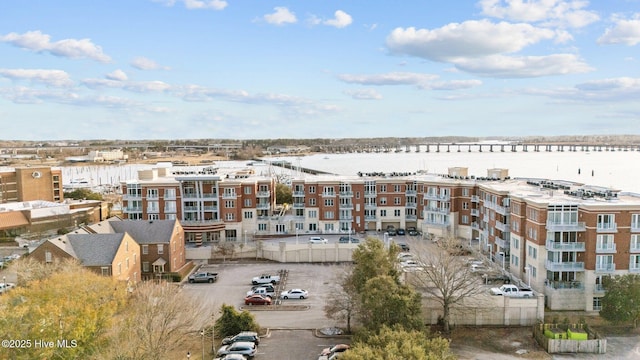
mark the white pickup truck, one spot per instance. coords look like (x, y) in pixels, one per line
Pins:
(265, 279)
(512, 290)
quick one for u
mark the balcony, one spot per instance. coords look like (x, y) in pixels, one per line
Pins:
(560, 285)
(200, 222)
(475, 212)
(607, 228)
(209, 195)
(298, 205)
(606, 248)
(132, 197)
(564, 266)
(229, 196)
(263, 194)
(475, 199)
(635, 248)
(210, 208)
(370, 206)
(635, 227)
(298, 194)
(346, 193)
(411, 205)
(475, 225)
(577, 226)
(598, 288)
(370, 218)
(503, 210)
(564, 246)
(346, 218)
(605, 268)
(153, 210)
(437, 210)
(433, 223)
(502, 243)
(370, 193)
(502, 227)
(439, 197)
(263, 206)
(170, 210)
(411, 192)
(346, 206)
(133, 209)
(328, 194)
(411, 217)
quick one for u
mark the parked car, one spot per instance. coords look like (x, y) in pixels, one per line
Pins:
(403, 256)
(412, 231)
(400, 231)
(4, 287)
(495, 278)
(403, 246)
(250, 336)
(411, 263)
(318, 240)
(265, 279)
(202, 277)
(246, 348)
(295, 294)
(231, 357)
(269, 287)
(391, 232)
(334, 349)
(512, 290)
(478, 268)
(348, 239)
(262, 291)
(257, 299)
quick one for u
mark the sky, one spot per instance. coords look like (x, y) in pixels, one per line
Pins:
(249, 69)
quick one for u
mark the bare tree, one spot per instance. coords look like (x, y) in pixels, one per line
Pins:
(342, 304)
(158, 320)
(446, 277)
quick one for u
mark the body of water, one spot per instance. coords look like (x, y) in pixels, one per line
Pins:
(616, 169)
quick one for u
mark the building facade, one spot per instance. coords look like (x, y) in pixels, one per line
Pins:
(30, 183)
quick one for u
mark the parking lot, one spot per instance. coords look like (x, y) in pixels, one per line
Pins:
(291, 332)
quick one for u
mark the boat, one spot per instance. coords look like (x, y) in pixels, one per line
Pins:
(76, 184)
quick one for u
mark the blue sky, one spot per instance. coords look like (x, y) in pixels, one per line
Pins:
(192, 69)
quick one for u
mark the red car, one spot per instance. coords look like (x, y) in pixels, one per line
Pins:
(257, 299)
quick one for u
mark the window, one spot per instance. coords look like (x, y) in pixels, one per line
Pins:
(145, 266)
(532, 214)
(635, 242)
(160, 249)
(606, 222)
(153, 206)
(634, 263)
(383, 201)
(313, 227)
(248, 215)
(135, 259)
(229, 204)
(127, 263)
(169, 193)
(280, 228)
(635, 222)
(532, 252)
(170, 216)
(312, 189)
(248, 190)
(396, 201)
(383, 188)
(605, 243)
(465, 219)
(119, 268)
(534, 271)
(47, 256)
(230, 192)
(247, 203)
(515, 243)
(397, 188)
(262, 227)
(104, 271)
(145, 249)
(328, 227)
(169, 206)
(328, 215)
(153, 216)
(328, 202)
(597, 303)
(152, 193)
(312, 202)
(465, 192)
(515, 260)
(229, 216)
(465, 205)
(383, 212)
(397, 213)
(605, 263)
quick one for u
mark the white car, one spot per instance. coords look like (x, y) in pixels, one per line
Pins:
(411, 263)
(294, 294)
(403, 256)
(4, 287)
(318, 240)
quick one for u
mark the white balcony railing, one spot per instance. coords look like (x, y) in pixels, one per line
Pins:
(565, 266)
(605, 268)
(607, 227)
(564, 246)
(577, 226)
(606, 248)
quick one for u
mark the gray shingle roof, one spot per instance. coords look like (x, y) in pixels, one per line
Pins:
(146, 231)
(95, 249)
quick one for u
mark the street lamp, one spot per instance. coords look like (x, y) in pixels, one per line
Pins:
(528, 270)
(296, 234)
(202, 335)
(501, 253)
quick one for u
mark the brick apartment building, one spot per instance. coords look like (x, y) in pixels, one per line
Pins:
(30, 183)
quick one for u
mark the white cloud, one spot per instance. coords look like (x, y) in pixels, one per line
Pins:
(612, 84)
(551, 12)
(70, 48)
(281, 16)
(393, 78)
(135, 86)
(341, 19)
(470, 39)
(624, 31)
(197, 4)
(364, 94)
(56, 78)
(142, 63)
(524, 66)
(117, 75)
(455, 84)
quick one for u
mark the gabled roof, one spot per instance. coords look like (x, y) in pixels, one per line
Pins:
(64, 244)
(146, 231)
(95, 249)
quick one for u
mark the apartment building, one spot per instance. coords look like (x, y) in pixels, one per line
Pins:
(30, 183)
(212, 205)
